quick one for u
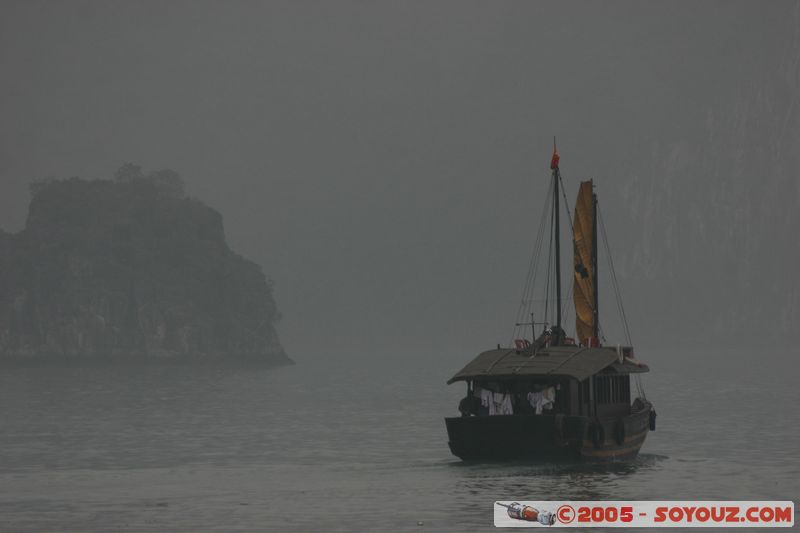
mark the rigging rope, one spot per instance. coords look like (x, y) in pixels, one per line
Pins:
(526, 302)
(566, 206)
(617, 292)
(549, 265)
(637, 380)
(569, 300)
(572, 235)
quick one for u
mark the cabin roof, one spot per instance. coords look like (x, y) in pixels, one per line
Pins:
(561, 361)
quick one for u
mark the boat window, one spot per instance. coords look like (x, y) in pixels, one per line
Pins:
(612, 389)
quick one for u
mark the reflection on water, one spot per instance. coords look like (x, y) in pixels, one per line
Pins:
(579, 481)
(326, 445)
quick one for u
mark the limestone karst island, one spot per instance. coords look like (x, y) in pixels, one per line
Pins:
(130, 268)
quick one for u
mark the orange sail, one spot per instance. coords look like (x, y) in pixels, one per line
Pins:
(583, 291)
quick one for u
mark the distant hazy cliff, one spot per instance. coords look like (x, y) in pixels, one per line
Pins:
(715, 213)
(130, 269)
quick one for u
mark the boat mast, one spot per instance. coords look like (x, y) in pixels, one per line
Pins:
(556, 179)
(596, 322)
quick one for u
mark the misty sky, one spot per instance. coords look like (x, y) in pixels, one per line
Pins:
(385, 161)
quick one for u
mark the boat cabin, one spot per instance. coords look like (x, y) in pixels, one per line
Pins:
(567, 380)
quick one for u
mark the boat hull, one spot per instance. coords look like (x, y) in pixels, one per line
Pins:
(548, 437)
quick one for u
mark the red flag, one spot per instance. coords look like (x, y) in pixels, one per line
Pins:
(554, 161)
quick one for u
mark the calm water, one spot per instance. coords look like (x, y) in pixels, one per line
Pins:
(348, 446)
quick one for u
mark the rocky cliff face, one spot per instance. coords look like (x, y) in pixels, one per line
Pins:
(713, 219)
(129, 269)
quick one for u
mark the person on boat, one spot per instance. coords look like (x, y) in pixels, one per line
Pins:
(553, 336)
(469, 405)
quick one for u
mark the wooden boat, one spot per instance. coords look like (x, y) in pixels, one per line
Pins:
(555, 397)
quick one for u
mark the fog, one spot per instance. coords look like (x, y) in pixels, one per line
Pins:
(385, 162)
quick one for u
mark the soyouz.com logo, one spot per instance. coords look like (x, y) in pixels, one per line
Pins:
(695, 513)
